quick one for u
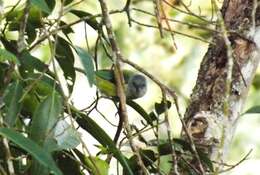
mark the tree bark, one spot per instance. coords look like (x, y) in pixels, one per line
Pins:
(214, 108)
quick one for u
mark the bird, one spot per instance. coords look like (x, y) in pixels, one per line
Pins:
(135, 83)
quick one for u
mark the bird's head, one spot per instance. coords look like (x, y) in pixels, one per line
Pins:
(136, 86)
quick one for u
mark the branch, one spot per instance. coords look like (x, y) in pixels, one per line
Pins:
(6, 148)
(21, 41)
(116, 55)
(175, 98)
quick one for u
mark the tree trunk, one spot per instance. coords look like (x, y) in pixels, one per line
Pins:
(216, 102)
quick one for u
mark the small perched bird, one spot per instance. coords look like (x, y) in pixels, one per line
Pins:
(135, 84)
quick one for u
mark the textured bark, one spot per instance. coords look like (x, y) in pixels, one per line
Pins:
(212, 113)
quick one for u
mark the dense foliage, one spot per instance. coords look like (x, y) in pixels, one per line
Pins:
(39, 124)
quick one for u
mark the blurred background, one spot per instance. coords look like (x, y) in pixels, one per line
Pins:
(176, 65)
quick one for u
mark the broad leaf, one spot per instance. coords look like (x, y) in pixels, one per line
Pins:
(30, 63)
(65, 58)
(140, 110)
(43, 84)
(101, 136)
(66, 30)
(32, 148)
(100, 167)
(68, 163)
(205, 159)
(3, 70)
(153, 116)
(179, 145)
(87, 62)
(253, 110)
(148, 158)
(12, 101)
(92, 21)
(66, 136)
(31, 33)
(7, 56)
(45, 118)
(30, 102)
(66, 2)
(42, 5)
(161, 107)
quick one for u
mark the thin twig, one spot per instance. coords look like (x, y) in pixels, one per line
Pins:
(56, 30)
(66, 100)
(238, 163)
(188, 12)
(2, 170)
(120, 82)
(174, 31)
(175, 98)
(164, 17)
(203, 27)
(7, 151)
(157, 13)
(21, 41)
(169, 133)
(127, 10)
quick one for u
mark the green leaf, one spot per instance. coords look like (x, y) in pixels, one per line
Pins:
(153, 116)
(44, 121)
(65, 58)
(42, 5)
(87, 62)
(66, 136)
(31, 32)
(45, 118)
(30, 103)
(10, 46)
(34, 19)
(32, 148)
(66, 30)
(88, 161)
(205, 159)
(4, 68)
(30, 63)
(148, 158)
(256, 81)
(179, 145)
(7, 56)
(253, 110)
(140, 110)
(68, 163)
(12, 97)
(43, 84)
(160, 107)
(51, 4)
(101, 136)
(100, 167)
(91, 21)
(66, 2)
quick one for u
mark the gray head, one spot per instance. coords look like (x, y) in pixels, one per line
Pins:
(136, 87)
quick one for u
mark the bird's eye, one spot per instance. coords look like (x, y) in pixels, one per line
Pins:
(135, 84)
